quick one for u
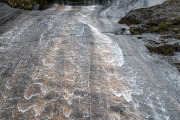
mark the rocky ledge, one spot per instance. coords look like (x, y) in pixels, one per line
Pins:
(157, 19)
(163, 24)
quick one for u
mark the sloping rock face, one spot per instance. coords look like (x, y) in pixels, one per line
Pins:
(59, 64)
(55, 64)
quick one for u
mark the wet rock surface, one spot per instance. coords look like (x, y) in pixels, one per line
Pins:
(61, 64)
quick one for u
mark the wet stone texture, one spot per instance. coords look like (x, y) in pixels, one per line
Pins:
(57, 65)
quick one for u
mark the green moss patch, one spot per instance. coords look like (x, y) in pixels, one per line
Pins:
(167, 50)
(172, 26)
(162, 27)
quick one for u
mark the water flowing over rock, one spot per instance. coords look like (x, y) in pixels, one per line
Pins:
(65, 63)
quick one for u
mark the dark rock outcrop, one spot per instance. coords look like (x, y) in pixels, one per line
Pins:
(162, 20)
(157, 19)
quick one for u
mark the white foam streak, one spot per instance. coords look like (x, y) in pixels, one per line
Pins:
(25, 109)
(105, 42)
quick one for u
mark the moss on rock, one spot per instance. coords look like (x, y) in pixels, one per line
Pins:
(136, 30)
(167, 50)
(25, 4)
(130, 20)
(162, 19)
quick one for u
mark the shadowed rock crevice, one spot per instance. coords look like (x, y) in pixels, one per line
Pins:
(118, 109)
